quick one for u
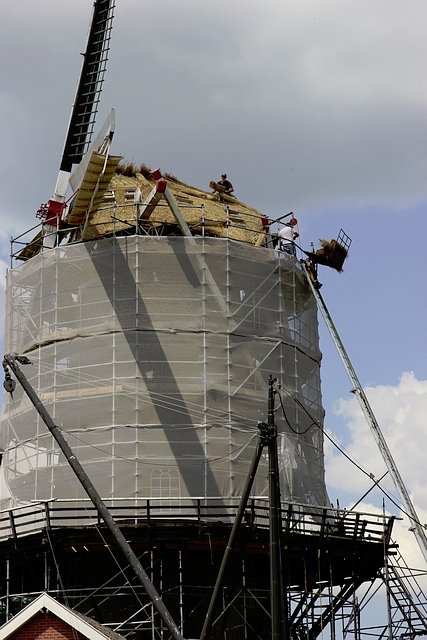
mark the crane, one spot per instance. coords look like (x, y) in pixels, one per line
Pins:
(416, 527)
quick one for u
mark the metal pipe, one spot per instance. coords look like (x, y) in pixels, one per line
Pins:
(96, 499)
(7, 588)
(262, 441)
(277, 595)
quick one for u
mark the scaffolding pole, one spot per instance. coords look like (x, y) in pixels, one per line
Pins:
(263, 439)
(12, 362)
(279, 625)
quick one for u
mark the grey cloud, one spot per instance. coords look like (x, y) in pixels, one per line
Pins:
(324, 102)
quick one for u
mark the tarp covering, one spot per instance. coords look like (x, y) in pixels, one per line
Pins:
(153, 355)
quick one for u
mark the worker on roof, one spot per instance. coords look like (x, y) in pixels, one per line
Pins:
(226, 184)
(265, 221)
(287, 236)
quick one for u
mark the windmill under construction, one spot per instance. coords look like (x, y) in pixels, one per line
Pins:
(163, 448)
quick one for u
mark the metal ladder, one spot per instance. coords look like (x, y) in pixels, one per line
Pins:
(416, 527)
(406, 601)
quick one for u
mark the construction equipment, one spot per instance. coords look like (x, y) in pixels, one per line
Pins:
(332, 252)
(416, 527)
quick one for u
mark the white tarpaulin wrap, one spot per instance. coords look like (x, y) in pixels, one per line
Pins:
(153, 354)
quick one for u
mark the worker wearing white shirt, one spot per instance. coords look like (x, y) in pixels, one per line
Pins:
(287, 235)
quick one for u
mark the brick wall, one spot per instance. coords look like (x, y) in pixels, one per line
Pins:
(46, 626)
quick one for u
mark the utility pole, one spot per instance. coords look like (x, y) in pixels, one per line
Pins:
(278, 612)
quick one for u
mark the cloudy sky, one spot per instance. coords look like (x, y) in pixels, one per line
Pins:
(314, 106)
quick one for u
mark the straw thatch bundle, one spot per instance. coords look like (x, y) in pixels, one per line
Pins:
(227, 218)
(331, 254)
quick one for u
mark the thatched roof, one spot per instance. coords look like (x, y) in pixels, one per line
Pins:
(223, 216)
(105, 205)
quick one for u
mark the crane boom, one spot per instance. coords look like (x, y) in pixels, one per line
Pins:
(416, 527)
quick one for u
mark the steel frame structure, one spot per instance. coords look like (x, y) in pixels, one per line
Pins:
(327, 555)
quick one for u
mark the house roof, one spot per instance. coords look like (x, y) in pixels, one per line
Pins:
(86, 626)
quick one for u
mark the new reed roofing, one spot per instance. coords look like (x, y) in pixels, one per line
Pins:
(222, 216)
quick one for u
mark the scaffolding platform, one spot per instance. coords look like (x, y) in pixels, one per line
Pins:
(327, 555)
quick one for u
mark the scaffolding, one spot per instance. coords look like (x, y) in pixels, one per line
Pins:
(157, 371)
(152, 354)
(63, 548)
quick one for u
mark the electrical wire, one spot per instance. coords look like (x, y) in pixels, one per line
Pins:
(168, 402)
(298, 433)
(375, 484)
(369, 475)
(235, 452)
(230, 455)
(159, 400)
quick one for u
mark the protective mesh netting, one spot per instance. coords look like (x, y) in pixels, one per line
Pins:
(153, 354)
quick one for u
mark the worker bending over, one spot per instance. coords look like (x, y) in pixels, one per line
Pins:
(226, 184)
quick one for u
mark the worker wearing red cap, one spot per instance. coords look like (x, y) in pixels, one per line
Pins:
(287, 236)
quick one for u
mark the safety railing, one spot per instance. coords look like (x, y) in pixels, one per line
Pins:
(39, 238)
(297, 519)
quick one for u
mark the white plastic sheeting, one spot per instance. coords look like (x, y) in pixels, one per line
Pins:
(153, 354)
